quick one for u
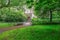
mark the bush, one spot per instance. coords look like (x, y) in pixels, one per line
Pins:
(7, 15)
(38, 21)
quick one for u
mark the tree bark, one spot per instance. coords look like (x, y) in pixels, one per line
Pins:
(50, 16)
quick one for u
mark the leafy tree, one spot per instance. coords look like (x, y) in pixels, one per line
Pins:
(8, 10)
(42, 8)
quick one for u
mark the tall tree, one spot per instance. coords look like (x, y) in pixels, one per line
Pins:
(45, 6)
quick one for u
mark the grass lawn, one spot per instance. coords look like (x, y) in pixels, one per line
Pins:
(35, 32)
(3, 25)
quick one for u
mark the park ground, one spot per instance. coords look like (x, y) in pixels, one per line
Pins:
(34, 32)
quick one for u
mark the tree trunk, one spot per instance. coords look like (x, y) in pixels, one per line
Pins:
(50, 16)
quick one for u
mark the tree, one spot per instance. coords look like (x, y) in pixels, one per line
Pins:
(46, 6)
(11, 15)
(41, 7)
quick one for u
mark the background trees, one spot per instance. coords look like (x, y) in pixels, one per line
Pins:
(43, 9)
(11, 11)
(46, 7)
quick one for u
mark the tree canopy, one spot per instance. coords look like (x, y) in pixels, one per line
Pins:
(42, 8)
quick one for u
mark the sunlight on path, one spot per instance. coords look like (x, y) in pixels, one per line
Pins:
(27, 23)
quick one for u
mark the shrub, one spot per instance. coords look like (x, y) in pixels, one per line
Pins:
(7, 15)
(37, 21)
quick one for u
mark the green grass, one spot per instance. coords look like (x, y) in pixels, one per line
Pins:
(3, 25)
(35, 32)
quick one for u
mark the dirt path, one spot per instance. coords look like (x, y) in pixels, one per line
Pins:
(11, 28)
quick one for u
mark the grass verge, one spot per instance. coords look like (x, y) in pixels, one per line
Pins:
(3, 25)
(35, 32)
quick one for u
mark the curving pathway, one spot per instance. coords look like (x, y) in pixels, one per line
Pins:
(15, 27)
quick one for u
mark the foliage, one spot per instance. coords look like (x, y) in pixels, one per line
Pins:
(11, 15)
(38, 21)
(42, 8)
(45, 19)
